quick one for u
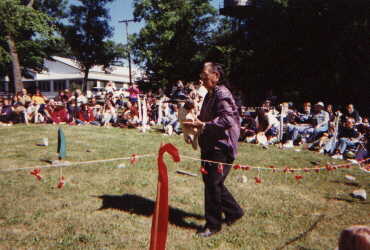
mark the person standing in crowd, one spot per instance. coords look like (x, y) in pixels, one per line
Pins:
(134, 93)
(220, 129)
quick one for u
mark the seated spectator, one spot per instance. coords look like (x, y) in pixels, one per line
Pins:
(32, 113)
(347, 138)
(86, 116)
(80, 98)
(298, 125)
(110, 88)
(329, 109)
(351, 112)
(267, 125)
(320, 122)
(56, 112)
(7, 110)
(170, 120)
(23, 97)
(40, 101)
(109, 114)
(354, 238)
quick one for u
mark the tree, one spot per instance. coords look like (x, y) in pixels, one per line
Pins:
(86, 34)
(304, 50)
(26, 35)
(173, 43)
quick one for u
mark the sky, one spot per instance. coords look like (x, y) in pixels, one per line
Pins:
(123, 9)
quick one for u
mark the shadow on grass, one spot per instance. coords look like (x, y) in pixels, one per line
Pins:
(142, 206)
(354, 184)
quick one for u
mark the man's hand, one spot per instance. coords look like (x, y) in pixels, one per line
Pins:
(197, 124)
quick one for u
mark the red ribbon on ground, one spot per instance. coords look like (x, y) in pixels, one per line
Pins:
(133, 159)
(61, 182)
(36, 172)
(159, 230)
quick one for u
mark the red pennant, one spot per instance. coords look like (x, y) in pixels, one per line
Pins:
(258, 180)
(298, 177)
(246, 168)
(36, 172)
(237, 166)
(61, 182)
(203, 170)
(317, 170)
(159, 230)
(306, 170)
(286, 170)
(220, 169)
(273, 169)
(328, 167)
(133, 159)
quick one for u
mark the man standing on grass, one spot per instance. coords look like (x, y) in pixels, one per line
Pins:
(220, 129)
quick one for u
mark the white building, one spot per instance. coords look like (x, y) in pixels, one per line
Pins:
(62, 73)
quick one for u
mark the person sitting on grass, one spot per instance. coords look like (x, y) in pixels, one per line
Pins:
(109, 114)
(56, 112)
(347, 138)
(86, 116)
(267, 126)
(320, 122)
(6, 114)
(298, 125)
(351, 112)
(170, 121)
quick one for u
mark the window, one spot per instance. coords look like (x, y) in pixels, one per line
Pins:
(44, 86)
(60, 85)
(2, 86)
(75, 84)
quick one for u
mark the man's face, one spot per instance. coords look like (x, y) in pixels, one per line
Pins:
(209, 77)
(307, 107)
(350, 123)
(6, 102)
(24, 91)
(350, 108)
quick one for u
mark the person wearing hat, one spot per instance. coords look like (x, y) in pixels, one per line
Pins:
(320, 121)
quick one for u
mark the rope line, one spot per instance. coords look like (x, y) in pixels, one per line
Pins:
(67, 164)
(279, 169)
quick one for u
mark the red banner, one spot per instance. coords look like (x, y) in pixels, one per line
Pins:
(158, 236)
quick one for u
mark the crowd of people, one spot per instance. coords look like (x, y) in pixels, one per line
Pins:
(342, 133)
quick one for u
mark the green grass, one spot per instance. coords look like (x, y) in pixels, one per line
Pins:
(105, 207)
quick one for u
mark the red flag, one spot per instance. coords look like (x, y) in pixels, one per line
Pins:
(160, 217)
(203, 171)
(133, 159)
(61, 182)
(36, 172)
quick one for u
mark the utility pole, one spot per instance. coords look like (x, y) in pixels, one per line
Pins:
(126, 22)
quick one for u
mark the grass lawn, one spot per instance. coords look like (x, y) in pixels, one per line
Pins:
(106, 207)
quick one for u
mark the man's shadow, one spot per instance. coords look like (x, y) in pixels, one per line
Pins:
(142, 206)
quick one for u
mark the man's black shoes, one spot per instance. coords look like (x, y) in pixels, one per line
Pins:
(207, 232)
(230, 222)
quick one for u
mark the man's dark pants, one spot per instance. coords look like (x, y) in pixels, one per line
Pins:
(218, 199)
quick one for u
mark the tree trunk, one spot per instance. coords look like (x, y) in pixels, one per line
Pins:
(16, 67)
(84, 83)
(30, 3)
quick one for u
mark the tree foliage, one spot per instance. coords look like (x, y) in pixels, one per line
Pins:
(27, 34)
(87, 32)
(302, 50)
(173, 42)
